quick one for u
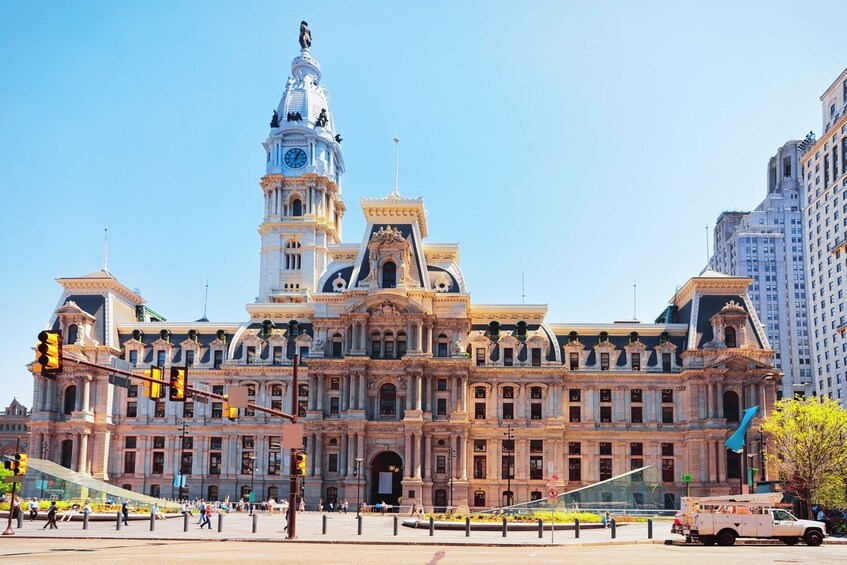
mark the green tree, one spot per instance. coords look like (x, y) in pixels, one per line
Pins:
(806, 448)
(4, 486)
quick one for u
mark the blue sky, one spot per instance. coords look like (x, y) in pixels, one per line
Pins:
(585, 143)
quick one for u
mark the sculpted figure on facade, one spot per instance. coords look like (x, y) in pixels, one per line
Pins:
(305, 36)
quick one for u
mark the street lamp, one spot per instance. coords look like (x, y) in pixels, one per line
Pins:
(357, 472)
(510, 438)
(744, 456)
(750, 471)
(252, 477)
(450, 452)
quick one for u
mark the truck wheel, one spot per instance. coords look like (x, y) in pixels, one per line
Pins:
(789, 541)
(726, 537)
(813, 537)
(708, 540)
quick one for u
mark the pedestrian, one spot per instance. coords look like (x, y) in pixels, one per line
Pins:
(86, 510)
(414, 511)
(201, 506)
(606, 520)
(51, 517)
(344, 506)
(125, 513)
(320, 505)
(285, 529)
(33, 509)
(70, 513)
(184, 509)
(207, 517)
(302, 507)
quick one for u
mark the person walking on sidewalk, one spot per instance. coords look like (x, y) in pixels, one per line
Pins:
(33, 509)
(125, 513)
(51, 517)
(207, 517)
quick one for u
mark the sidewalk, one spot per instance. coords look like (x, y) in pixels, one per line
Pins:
(341, 528)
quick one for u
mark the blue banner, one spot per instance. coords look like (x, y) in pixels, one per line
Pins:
(737, 440)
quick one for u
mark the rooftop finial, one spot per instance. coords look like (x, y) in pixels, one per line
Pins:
(106, 249)
(396, 192)
(305, 36)
(206, 299)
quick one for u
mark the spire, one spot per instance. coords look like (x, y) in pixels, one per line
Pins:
(396, 192)
(106, 250)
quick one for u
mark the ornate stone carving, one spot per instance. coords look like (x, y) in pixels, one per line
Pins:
(305, 36)
(387, 235)
(372, 382)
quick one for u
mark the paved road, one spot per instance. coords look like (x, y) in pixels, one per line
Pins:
(67, 551)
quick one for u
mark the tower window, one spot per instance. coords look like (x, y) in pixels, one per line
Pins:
(296, 208)
(292, 255)
(389, 275)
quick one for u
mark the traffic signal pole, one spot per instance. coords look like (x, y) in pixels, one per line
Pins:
(294, 487)
(9, 531)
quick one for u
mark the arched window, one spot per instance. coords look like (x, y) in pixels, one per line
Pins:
(292, 256)
(389, 275)
(387, 401)
(388, 346)
(535, 495)
(337, 345)
(213, 492)
(73, 332)
(126, 487)
(479, 498)
(730, 406)
(443, 346)
(401, 344)
(296, 207)
(67, 452)
(69, 404)
(376, 345)
(729, 337)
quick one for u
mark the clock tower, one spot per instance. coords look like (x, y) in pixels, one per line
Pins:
(301, 186)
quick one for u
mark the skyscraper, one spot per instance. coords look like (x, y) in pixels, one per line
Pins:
(767, 245)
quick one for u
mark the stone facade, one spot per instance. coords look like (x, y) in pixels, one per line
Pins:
(407, 389)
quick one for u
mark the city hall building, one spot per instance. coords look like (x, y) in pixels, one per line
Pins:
(408, 390)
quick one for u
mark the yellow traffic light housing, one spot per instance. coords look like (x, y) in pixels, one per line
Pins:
(230, 412)
(300, 465)
(153, 390)
(49, 354)
(19, 464)
(178, 382)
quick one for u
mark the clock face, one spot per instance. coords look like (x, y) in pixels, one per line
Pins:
(295, 158)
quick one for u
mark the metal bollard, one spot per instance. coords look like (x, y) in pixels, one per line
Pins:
(220, 522)
(118, 523)
(505, 526)
(256, 522)
(576, 528)
(614, 529)
(359, 518)
(85, 520)
(185, 522)
(649, 528)
(323, 525)
(540, 528)
(467, 526)
(431, 526)
(396, 524)
(152, 521)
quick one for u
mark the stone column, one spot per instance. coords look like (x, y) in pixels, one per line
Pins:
(416, 449)
(418, 391)
(463, 453)
(427, 458)
(360, 450)
(463, 392)
(83, 452)
(520, 408)
(351, 453)
(75, 453)
(407, 456)
(342, 456)
(319, 381)
(78, 399)
(719, 394)
(319, 455)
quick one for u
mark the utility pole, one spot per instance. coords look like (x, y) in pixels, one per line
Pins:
(294, 488)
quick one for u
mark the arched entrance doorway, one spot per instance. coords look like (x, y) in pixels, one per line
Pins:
(386, 478)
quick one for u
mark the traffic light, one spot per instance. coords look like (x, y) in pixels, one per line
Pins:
(50, 353)
(300, 464)
(179, 380)
(19, 464)
(153, 390)
(230, 412)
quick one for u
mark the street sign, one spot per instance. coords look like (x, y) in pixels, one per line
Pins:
(120, 364)
(117, 380)
(14, 479)
(292, 436)
(201, 399)
(686, 477)
(552, 494)
(237, 397)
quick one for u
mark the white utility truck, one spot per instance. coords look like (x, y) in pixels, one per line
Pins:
(721, 519)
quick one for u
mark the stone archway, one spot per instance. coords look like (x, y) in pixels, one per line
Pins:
(386, 478)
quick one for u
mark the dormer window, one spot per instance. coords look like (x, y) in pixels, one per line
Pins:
(73, 334)
(729, 337)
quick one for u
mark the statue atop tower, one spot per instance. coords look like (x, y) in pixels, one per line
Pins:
(305, 36)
